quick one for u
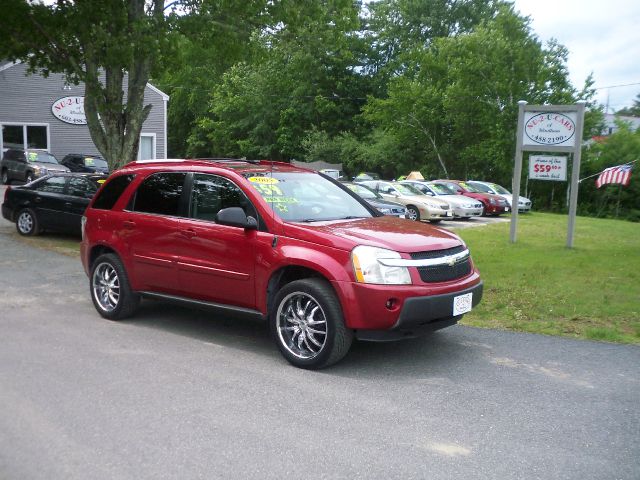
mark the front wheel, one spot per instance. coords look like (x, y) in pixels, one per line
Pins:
(308, 326)
(110, 290)
(27, 223)
(413, 214)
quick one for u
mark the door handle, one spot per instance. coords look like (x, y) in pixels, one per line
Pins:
(129, 224)
(67, 204)
(189, 233)
(37, 199)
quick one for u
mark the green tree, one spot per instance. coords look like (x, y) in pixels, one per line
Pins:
(633, 110)
(112, 46)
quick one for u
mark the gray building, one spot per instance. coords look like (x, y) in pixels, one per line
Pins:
(48, 113)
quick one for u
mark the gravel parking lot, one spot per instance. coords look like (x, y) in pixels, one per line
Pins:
(177, 393)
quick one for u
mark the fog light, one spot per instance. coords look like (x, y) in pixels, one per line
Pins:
(391, 303)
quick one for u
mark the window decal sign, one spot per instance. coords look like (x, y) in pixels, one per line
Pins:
(70, 110)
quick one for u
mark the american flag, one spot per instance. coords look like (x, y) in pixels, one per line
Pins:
(620, 174)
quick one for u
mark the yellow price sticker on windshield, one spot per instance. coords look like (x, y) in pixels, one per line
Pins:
(32, 156)
(264, 180)
(101, 181)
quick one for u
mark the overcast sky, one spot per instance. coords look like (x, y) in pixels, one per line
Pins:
(603, 37)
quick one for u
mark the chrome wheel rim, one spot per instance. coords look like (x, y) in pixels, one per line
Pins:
(302, 325)
(106, 286)
(25, 222)
(413, 214)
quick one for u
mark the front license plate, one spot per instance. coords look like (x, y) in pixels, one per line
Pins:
(462, 304)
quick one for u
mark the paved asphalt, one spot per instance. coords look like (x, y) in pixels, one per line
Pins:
(176, 393)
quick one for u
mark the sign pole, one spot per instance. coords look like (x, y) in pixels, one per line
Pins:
(517, 174)
(575, 174)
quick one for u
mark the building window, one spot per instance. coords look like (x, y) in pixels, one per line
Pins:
(147, 150)
(25, 136)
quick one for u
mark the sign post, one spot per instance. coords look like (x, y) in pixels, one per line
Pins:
(548, 128)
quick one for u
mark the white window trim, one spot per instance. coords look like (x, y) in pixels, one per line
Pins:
(24, 133)
(153, 136)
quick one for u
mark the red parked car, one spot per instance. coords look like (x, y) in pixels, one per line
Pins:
(492, 204)
(277, 242)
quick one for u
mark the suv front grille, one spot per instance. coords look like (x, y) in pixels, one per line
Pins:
(443, 273)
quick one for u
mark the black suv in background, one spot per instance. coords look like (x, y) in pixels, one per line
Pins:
(27, 165)
(78, 162)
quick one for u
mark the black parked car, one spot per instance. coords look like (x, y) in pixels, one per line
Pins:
(54, 202)
(27, 165)
(77, 162)
(377, 201)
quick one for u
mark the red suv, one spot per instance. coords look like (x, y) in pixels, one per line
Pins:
(277, 242)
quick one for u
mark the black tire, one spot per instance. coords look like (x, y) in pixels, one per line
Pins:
(315, 335)
(413, 213)
(27, 223)
(110, 290)
(5, 177)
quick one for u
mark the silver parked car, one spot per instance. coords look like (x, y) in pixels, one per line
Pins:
(524, 204)
(419, 206)
(462, 206)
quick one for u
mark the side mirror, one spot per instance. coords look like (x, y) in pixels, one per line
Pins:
(235, 217)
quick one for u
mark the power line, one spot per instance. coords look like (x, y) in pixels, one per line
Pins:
(616, 86)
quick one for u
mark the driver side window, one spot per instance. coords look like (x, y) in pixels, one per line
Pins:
(212, 193)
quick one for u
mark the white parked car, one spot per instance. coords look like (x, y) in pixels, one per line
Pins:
(524, 204)
(463, 207)
(419, 206)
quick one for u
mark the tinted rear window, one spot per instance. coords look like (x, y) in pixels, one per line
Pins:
(111, 192)
(160, 194)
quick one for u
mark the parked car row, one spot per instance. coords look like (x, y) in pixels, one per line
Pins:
(26, 165)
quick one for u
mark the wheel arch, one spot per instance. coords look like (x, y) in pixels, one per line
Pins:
(287, 274)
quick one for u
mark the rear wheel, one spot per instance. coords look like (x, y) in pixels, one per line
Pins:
(413, 214)
(110, 290)
(307, 324)
(27, 222)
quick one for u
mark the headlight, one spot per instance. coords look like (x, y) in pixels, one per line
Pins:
(39, 171)
(368, 270)
(433, 206)
(386, 211)
(492, 201)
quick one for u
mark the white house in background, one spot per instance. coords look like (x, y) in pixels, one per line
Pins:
(610, 124)
(48, 113)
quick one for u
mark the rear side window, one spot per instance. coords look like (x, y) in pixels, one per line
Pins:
(160, 194)
(81, 187)
(111, 192)
(52, 185)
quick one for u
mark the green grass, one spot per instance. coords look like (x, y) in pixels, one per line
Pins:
(538, 285)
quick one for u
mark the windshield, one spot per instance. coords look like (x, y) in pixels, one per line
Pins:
(470, 188)
(442, 189)
(95, 162)
(407, 189)
(306, 197)
(40, 157)
(363, 191)
(500, 189)
(480, 187)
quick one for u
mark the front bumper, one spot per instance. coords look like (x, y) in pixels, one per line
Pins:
(420, 315)
(467, 212)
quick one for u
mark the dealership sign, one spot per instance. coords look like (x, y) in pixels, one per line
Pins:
(549, 128)
(70, 110)
(544, 167)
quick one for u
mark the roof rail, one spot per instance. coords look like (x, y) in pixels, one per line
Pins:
(223, 159)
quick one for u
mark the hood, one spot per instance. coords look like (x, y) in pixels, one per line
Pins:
(380, 203)
(458, 200)
(385, 232)
(55, 167)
